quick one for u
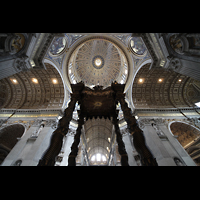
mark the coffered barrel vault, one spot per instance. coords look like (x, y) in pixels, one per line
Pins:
(34, 89)
(98, 133)
(158, 88)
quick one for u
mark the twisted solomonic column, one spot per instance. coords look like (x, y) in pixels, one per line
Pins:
(146, 156)
(121, 145)
(56, 141)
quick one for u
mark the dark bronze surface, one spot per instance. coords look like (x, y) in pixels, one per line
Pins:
(98, 102)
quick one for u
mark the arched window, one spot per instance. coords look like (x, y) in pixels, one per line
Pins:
(98, 159)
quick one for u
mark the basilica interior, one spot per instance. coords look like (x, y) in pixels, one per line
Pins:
(99, 99)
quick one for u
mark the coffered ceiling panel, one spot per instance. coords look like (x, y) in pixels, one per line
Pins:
(33, 89)
(98, 133)
(159, 88)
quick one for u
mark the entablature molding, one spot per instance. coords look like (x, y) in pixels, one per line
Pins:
(40, 49)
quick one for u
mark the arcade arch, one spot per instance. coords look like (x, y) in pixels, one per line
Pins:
(8, 139)
(189, 138)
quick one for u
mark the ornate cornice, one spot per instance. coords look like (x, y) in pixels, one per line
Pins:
(38, 111)
(137, 110)
(42, 45)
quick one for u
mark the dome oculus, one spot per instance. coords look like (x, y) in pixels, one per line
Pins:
(98, 62)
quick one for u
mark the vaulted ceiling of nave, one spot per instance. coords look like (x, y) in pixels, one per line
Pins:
(159, 88)
(98, 133)
(33, 89)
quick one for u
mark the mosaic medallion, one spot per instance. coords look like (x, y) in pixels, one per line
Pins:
(138, 46)
(58, 45)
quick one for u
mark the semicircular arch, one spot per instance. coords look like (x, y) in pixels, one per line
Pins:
(184, 132)
(9, 137)
(63, 80)
(148, 61)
